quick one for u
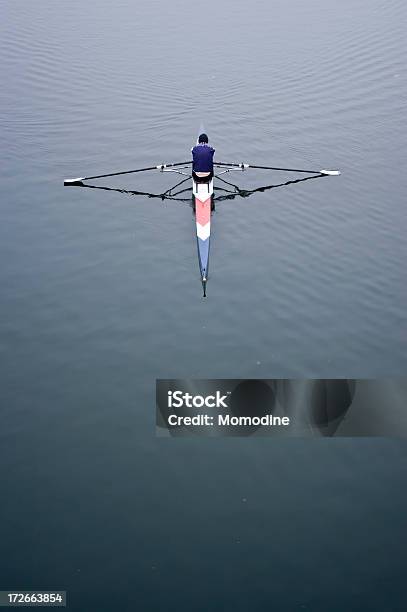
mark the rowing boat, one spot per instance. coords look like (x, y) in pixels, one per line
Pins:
(203, 196)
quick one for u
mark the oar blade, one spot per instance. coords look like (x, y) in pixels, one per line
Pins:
(330, 172)
(76, 182)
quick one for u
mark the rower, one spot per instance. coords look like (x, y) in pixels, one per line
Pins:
(202, 160)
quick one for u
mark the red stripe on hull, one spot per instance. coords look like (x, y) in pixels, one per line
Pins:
(203, 211)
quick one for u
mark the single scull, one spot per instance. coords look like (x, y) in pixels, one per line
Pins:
(203, 196)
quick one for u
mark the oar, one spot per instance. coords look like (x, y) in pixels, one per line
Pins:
(78, 181)
(245, 166)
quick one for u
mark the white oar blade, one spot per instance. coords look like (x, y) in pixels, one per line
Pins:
(75, 181)
(330, 172)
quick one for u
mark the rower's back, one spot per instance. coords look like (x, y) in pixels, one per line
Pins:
(202, 156)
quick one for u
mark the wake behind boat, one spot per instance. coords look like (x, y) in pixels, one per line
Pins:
(202, 194)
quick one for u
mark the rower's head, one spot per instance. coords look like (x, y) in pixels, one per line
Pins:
(203, 139)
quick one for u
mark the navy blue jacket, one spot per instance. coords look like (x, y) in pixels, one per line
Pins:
(202, 158)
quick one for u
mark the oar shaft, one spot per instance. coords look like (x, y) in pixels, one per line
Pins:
(98, 176)
(267, 168)
(285, 169)
(245, 166)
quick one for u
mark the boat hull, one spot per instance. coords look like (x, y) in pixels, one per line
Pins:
(203, 194)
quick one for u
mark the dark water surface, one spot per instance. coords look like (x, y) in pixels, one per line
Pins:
(100, 296)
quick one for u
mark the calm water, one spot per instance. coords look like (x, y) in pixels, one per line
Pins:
(100, 296)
